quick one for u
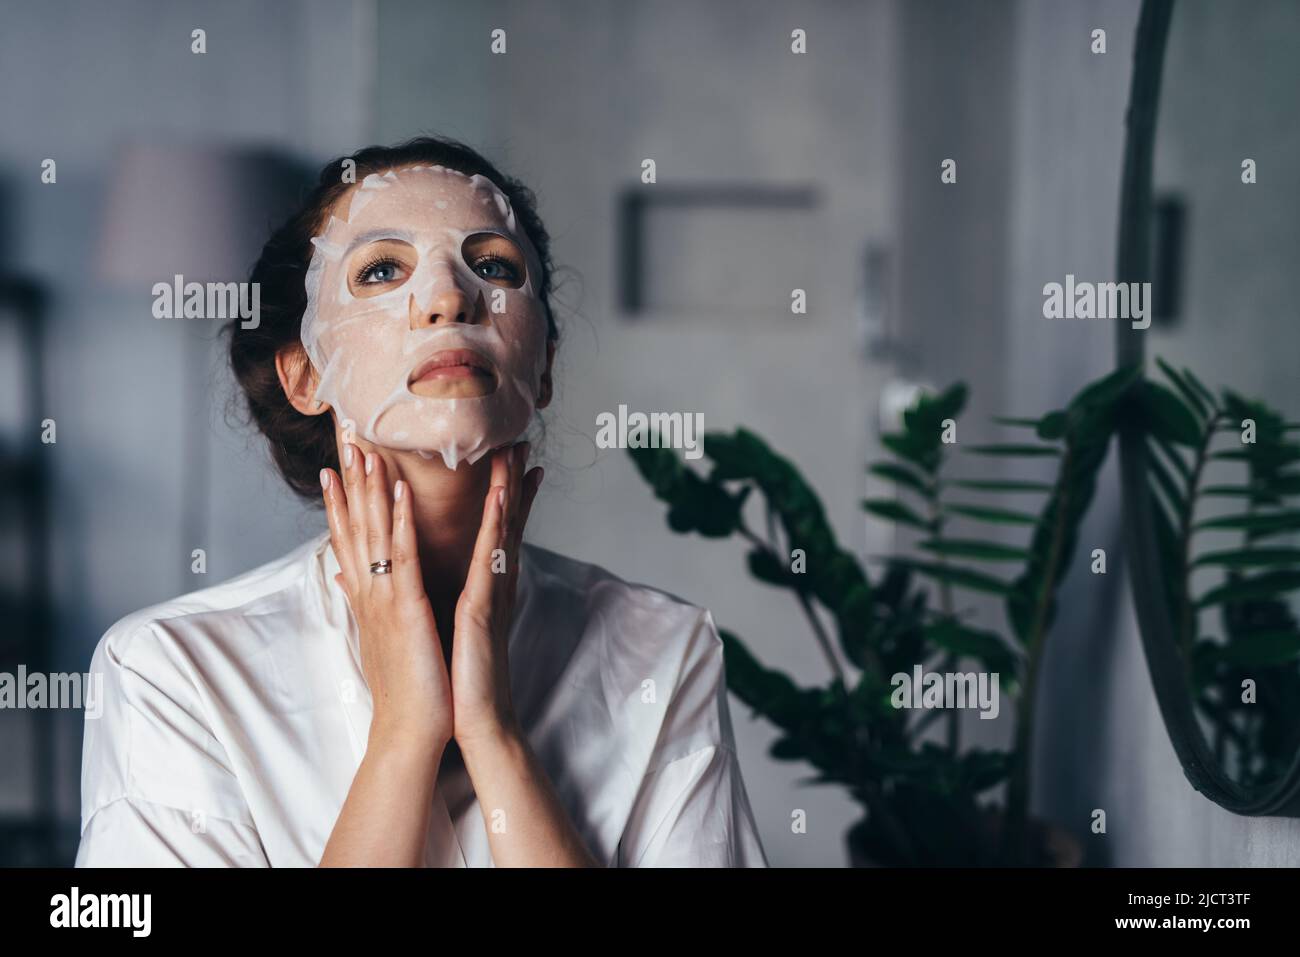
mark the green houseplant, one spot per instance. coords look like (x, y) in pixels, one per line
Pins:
(926, 799)
(1232, 458)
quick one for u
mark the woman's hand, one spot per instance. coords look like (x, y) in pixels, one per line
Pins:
(385, 817)
(401, 655)
(480, 670)
(526, 823)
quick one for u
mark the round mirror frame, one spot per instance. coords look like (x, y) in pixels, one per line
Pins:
(1164, 662)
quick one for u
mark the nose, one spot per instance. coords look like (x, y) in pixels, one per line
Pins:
(448, 305)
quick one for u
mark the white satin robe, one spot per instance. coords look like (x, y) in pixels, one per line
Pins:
(234, 719)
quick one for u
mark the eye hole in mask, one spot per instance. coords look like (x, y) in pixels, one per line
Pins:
(495, 259)
(386, 264)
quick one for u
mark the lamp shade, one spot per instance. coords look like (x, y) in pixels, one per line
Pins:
(199, 211)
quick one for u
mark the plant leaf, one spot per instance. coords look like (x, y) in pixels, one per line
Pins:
(995, 485)
(901, 475)
(981, 551)
(766, 567)
(893, 511)
(1168, 417)
(986, 647)
(834, 576)
(1257, 523)
(998, 516)
(1266, 585)
(1013, 449)
(907, 446)
(1250, 557)
(1173, 492)
(1171, 457)
(1276, 456)
(1184, 388)
(1199, 386)
(1228, 491)
(956, 575)
(767, 691)
(1105, 391)
(704, 507)
(1260, 649)
(1053, 426)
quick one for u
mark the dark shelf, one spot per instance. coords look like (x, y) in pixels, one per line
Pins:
(26, 632)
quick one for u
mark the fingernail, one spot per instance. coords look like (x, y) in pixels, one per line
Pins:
(370, 462)
(325, 478)
(398, 490)
(347, 455)
(501, 497)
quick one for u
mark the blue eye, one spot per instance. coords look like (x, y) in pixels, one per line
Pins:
(377, 272)
(495, 268)
(383, 271)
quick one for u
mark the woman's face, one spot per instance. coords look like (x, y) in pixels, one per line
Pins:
(423, 321)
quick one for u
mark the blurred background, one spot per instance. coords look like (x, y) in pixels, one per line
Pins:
(775, 171)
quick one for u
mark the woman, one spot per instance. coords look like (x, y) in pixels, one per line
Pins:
(417, 687)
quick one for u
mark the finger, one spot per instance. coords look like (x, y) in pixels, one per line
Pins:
(516, 479)
(407, 580)
(336, 513)
(517, 517)
(515, 534)
(514, 469)
(500, 468)
(501, 465)
(354, 484)
(532, 482)
(379, 513)
(338, 579)
(479, 582)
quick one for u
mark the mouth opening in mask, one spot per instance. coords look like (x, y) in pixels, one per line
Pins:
(450, 373)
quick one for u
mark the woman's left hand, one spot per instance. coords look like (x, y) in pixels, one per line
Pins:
(482, 709)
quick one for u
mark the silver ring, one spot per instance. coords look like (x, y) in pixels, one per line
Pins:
(383, 567)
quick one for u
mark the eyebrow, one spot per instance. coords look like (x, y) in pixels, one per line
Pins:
(406, 236)
(373, 235)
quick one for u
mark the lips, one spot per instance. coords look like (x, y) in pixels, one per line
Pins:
(453, 363)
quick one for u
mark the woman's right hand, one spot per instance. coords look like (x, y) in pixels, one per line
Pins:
(401, 655)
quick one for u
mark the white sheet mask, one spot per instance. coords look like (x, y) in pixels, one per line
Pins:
(366, 348)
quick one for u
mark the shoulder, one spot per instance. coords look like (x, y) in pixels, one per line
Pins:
(652, 653)
(649, 618)
(151, 736)
(601, 588)
(220, 617)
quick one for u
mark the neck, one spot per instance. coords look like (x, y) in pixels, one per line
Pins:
(448, 508)
(448, 512)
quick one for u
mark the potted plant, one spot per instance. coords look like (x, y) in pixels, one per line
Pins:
(926, 799)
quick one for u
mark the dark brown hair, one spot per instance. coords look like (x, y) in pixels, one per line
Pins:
(302, 445)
